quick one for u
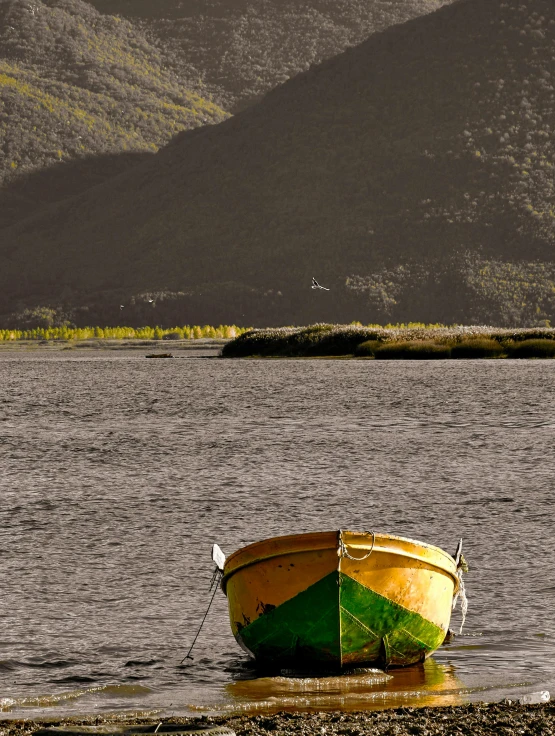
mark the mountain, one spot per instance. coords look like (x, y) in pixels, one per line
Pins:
(412, 175)
(76, 83)
(243, 48)
(78, 87)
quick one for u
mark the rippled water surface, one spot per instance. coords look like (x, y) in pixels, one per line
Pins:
(118, 473)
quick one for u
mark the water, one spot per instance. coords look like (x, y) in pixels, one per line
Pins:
(118, 473)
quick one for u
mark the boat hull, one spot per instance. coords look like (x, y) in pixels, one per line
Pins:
(340, 599)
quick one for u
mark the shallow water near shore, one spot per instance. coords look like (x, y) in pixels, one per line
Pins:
(118, 473)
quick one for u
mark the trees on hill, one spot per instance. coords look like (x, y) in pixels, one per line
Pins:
(243, 48)
(415, 169)
(74, 83)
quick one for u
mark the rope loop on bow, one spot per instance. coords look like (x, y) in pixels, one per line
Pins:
(343, 552)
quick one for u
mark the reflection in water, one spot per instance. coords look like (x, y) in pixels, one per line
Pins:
(426, 684)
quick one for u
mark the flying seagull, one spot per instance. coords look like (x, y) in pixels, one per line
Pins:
(316, 285)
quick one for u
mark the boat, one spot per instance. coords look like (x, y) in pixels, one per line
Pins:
(340, 599)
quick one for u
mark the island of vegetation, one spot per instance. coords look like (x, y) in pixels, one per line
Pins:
(414, 341)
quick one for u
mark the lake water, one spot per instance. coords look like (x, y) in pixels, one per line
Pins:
(118, 473)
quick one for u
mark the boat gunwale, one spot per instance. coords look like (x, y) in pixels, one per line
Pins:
(375, 547)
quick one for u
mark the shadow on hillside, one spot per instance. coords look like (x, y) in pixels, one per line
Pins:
(27, 194)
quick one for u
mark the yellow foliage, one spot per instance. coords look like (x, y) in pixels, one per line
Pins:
(123, 333)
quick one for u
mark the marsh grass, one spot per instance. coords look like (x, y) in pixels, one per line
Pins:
(340, 341)
(367, 349)
(539, 348)
(295, 342)
(477, 347)
(413, 350)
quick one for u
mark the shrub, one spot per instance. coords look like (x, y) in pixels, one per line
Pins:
(417, 350)
(476, 348)
(339, 341)
(172, 336)
(368, 348)
(257, 342)
(315, 340)
(533, 349)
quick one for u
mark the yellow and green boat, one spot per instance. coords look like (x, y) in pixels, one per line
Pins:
(340, 599)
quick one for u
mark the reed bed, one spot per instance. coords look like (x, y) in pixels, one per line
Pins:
(478, 347)
(413, 350)
(394, 342)
(539, 348)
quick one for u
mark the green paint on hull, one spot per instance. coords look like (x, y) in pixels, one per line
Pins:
(305, 627)
(340, 622)
(375, 628)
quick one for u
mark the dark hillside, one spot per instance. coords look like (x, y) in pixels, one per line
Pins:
(74, 82)
(413, 175)
(243, 48)
(30, 192)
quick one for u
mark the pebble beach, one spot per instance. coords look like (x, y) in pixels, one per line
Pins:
(474, 718)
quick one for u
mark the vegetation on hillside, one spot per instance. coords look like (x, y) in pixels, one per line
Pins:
(74, 82)
(412, 175)
(393, 342)
(160, 307)
(482, 289)
(243, 48)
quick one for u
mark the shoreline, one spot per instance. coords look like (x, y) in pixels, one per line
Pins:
(317, 342)
(474, 718)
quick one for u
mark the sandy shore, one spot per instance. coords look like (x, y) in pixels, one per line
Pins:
(475, 719)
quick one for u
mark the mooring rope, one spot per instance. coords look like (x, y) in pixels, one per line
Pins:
(216, 577)
(342, 549)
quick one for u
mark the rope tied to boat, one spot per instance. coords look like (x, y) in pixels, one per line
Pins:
(343, 552)
(214, 585)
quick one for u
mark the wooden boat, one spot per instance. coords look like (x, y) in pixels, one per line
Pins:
(339, 599)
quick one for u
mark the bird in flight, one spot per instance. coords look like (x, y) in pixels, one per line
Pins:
(316, 285)
(121, 306)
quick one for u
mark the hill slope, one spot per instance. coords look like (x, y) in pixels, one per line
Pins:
(243, 48)
(74, 82)
(413, 175)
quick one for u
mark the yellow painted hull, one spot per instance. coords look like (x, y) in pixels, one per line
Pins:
(340, 598)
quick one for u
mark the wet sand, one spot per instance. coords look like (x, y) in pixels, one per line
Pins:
(475, 719)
